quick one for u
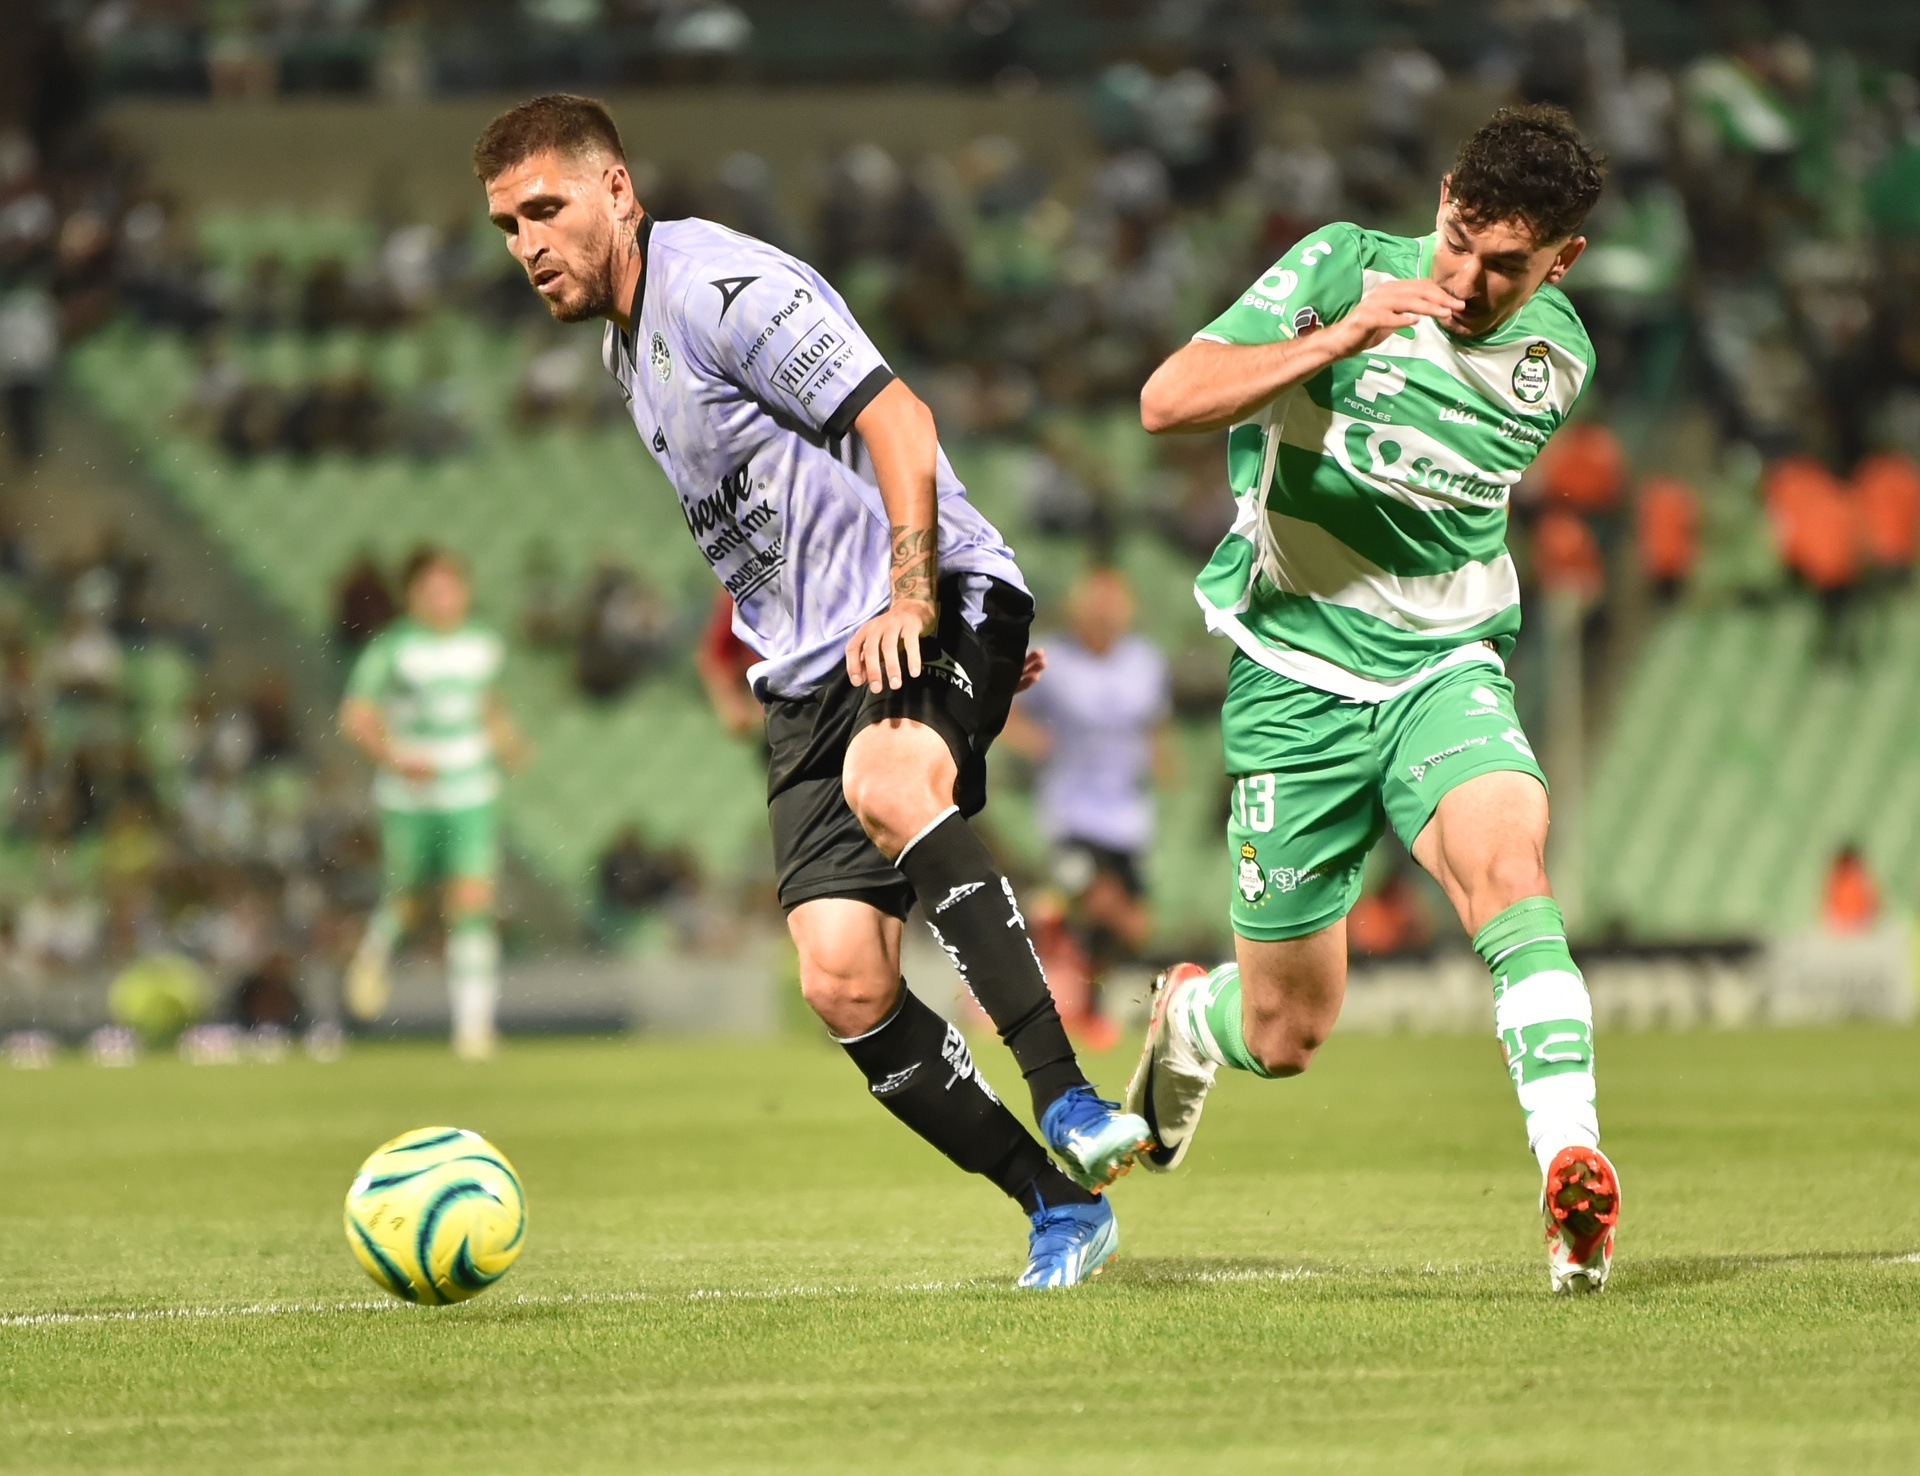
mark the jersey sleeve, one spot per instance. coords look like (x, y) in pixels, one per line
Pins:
(371, 670)
(1317, 282)
(782, 338)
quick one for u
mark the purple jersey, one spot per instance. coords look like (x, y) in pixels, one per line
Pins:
(1100, 713)
(744, 373)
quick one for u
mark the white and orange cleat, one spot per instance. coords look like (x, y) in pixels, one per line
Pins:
(1580, 1203)
(1170, 1085)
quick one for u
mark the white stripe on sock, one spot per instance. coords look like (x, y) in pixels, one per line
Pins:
(1553, 994)
(1494, 962)
(924, 831)
(1560, 1112)
(1192, 1007)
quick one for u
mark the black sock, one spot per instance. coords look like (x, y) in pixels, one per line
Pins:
(920, 1069)
(970, 907)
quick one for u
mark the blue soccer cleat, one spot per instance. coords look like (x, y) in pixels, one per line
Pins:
(1070, 1243)
(1094, 1138)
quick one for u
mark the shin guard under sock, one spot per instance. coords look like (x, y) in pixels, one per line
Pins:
(971, 909)
(920, 1069)
(1544, 1019)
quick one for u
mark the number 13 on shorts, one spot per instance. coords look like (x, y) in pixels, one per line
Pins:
(1253, 802)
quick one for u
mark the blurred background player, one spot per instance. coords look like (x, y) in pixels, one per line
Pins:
(421, 703)
(891, 623)
(1385, 393)
(1098, 728)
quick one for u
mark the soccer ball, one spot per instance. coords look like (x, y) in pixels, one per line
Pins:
(436, 1215)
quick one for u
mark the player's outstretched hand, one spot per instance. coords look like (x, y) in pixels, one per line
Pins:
(1392, 305)
(886, 650)
(1030, 669)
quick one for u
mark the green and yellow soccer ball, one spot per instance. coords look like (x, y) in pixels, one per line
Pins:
(436, 1215)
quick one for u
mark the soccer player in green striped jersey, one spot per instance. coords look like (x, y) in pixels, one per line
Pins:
(421, 703)
(1381, 397)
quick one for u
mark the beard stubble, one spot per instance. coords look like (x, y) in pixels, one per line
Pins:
(595, 297)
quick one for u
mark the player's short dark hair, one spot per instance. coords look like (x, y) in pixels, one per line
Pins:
(427, 556)
(561, 122)
(1527, 163)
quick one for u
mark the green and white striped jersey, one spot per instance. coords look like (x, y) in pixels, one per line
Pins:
(1369, 549)
(431, 689)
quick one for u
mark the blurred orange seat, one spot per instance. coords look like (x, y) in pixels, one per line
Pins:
(1887, 489)
(1667, 529)
(1815, 525)
(1566, 555)
(1583, 468)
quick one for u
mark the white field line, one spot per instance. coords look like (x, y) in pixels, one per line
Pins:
(585, 1299)
(704, 1294)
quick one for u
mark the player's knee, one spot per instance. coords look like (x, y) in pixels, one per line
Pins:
(1509, 874)
(469, 899)
(891, 807)
(850, 998)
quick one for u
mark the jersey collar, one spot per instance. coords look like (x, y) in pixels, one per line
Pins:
(642, 233)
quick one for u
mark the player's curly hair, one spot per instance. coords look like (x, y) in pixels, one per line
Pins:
(562, 122)
(425, 556)
(1527, 163)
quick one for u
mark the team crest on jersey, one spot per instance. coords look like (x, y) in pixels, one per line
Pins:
(661, 357)
(1532, 376)
(1253, 881)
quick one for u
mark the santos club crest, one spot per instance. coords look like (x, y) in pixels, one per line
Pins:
(1253, 881)
(1532, 376)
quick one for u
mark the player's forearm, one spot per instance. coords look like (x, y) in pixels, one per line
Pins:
(508, 742)
(904, 446)
(360, 724)
(1207, 386)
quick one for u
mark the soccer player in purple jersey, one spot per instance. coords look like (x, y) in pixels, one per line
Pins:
(891, 622)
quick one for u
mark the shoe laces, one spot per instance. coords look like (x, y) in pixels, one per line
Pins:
(1079, 1110)
(1061, 1229)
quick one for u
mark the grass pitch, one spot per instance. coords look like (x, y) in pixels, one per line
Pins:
(736, 1263)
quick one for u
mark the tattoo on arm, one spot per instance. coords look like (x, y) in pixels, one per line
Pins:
(912, 572)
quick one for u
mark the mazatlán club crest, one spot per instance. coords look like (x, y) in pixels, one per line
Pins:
(661, 357)
(1532, 376)
(1253, 881)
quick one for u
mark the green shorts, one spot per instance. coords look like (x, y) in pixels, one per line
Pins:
(1317, 778)
(421, 847)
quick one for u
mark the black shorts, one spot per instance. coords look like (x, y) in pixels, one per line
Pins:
(966, 684)
(1077, 862)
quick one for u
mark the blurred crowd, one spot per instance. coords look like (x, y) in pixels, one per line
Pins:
(1753, 280)
(148, 815)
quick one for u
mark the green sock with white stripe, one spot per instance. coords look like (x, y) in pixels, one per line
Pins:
(1545, 1023)
(1210, 1018)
